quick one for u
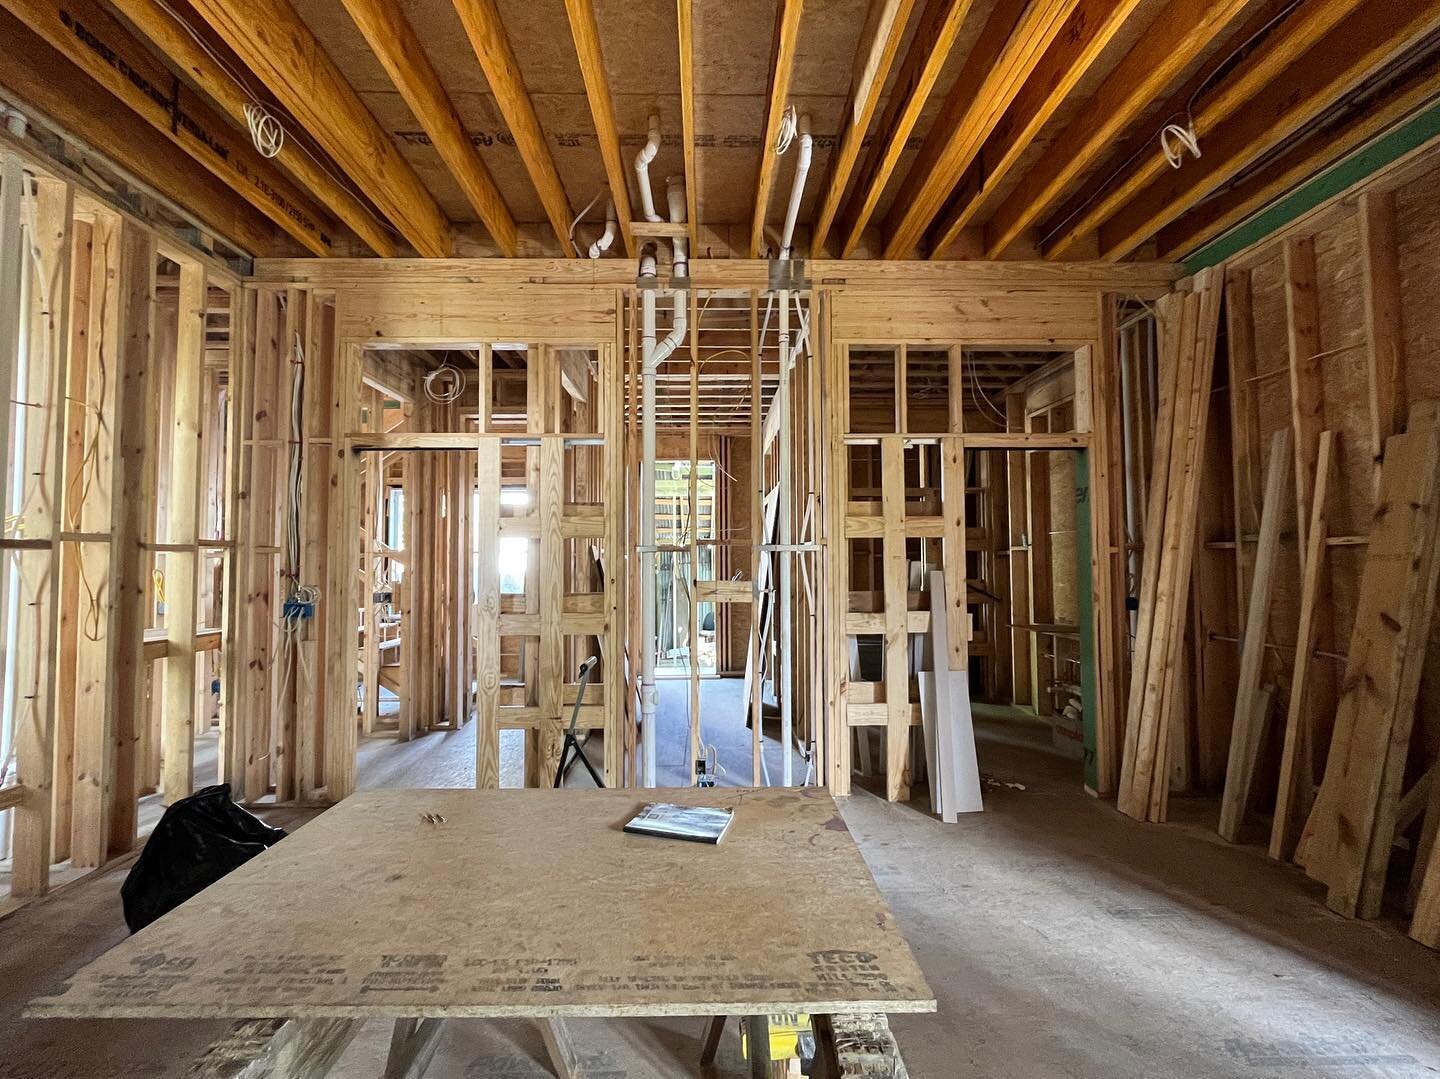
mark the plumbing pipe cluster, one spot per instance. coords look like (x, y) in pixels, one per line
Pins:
(654, 352)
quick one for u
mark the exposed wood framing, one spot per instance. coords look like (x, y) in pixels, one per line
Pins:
(930, 46)
(787, 34)
(182, 557)
(1292, 38)
(486, 30)
(976, 104)
(208, 76)
(49, 84)
(1092, 26)
(1178, 33)
(879, 45)
(270, 37)
(685, 35)
(1308, 155)
(400, 51)
(97, 43)
(586, 35)
(1357, 47)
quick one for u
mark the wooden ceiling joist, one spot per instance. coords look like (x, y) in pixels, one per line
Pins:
(399, 50)
(1310, 156)
(1178, 34)
(486, 31)
(1353, 51)
(972, 109)
(787, 36)
(685, 34)
(879, 46)
(586, 35)
(274, 42)
(39, 76)
(930, 47)
(96, 42)
(1290, 39)
(207, 75)
(1093, 25)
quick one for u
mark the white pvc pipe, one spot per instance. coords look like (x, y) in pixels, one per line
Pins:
(647, 536)
(653, 354)
(675, 196)
(797, 189)
(785, 537)
(643, 158)
(600, 246)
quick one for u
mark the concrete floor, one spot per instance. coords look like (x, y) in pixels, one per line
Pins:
(447, 758)
(1061, 939)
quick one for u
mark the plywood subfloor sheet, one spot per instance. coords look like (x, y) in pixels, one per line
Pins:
(523, 903)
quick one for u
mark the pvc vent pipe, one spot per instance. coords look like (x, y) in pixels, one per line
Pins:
(797, 188)
(643, 158)
(675, 195)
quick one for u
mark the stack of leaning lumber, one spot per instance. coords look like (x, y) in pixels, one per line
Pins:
(1188, 326)
(1351, 829)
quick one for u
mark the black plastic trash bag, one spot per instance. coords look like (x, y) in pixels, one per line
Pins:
(198, 841)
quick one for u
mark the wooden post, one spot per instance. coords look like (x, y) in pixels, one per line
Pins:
(132, 524)
(262, 492)
(94, 749)
(317, 487)
(487, 620)
(234, 719)
(551, 594)
(374, 512)
(36, 661)
(1022, 682)
(1041, 570)
(611, 417)
(182, 552)
(897, 637)
(338, 602)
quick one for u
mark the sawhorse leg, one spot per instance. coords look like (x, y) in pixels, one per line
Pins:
(714, 1028)
(563, 1057)
(301, 1049)
(412, 1047)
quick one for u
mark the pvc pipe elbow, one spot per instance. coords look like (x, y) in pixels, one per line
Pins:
(601, 245)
